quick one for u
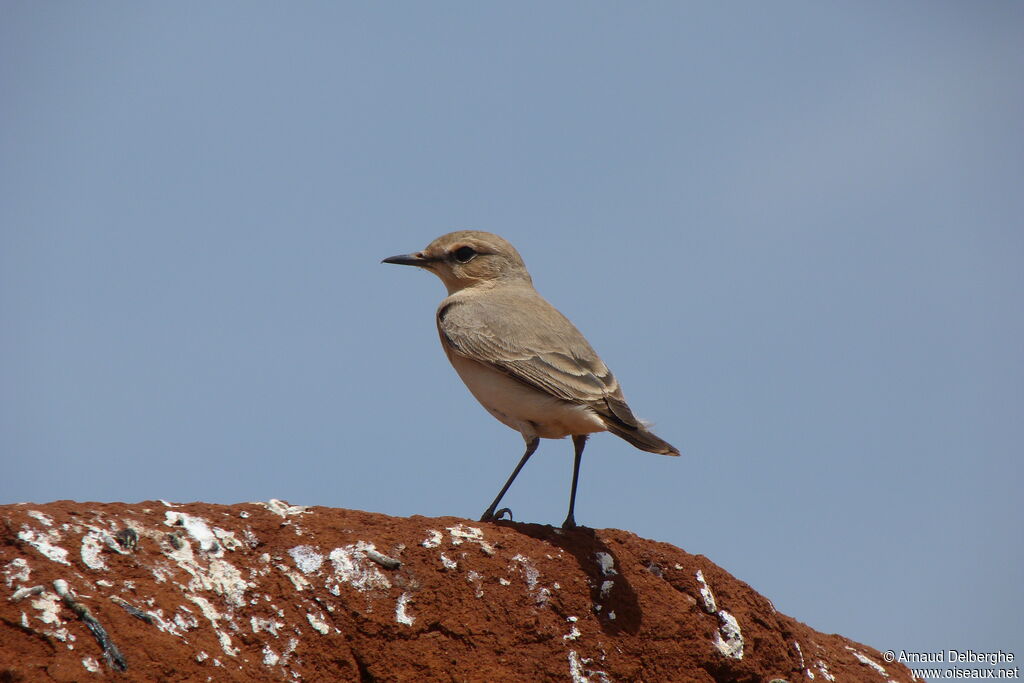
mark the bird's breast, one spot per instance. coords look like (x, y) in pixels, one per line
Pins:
(523, 408)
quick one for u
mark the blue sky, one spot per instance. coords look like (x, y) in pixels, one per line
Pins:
(794, 231)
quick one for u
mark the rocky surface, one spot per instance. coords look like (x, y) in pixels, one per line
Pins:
(156, 591)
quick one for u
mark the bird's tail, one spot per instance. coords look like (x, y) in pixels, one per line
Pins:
(641, 438)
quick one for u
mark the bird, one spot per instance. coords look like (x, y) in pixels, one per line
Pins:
(523, 360)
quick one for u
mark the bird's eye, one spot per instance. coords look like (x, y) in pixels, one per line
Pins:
(465, 254)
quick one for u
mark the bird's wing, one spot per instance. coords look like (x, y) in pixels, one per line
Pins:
(519, 333)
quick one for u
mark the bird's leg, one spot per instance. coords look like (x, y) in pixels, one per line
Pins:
(531, 446)
(578, 442)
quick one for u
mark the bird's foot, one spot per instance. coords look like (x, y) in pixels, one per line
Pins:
(569, 523)
(490, 516)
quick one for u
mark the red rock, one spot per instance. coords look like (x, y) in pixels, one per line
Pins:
(270, 592)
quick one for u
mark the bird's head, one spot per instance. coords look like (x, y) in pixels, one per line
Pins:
(468, 258)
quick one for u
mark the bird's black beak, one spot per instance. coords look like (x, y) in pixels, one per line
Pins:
(408, 260)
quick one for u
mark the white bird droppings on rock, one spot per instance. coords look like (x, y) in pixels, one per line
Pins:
(297, 579)
(530, 572)
(44, 543)
(197, 528)
(574, 631)
(223, 578)
(576, 668)
(318, 623)
(531, 575)
(283, 509)
(352, 566)
(868, 661)
(728, 639)
(48, 606)
(17, 570)
(269, 625)
(476, 579)
(578, 674)
(250, 538)
(461, 532)
(307, 558)
(91, 665)
(800, 653)
(214, 616)
(92, 551)
(183, 621)
(44, 519)
(402, 615)
(227, 538)
(433, 540)
(705, 592)
(25, 592)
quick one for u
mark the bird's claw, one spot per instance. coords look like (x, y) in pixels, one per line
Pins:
(496, 516)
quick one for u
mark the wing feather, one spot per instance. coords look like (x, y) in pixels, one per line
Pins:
(525, 337)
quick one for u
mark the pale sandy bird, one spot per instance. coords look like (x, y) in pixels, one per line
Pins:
(522, 359)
